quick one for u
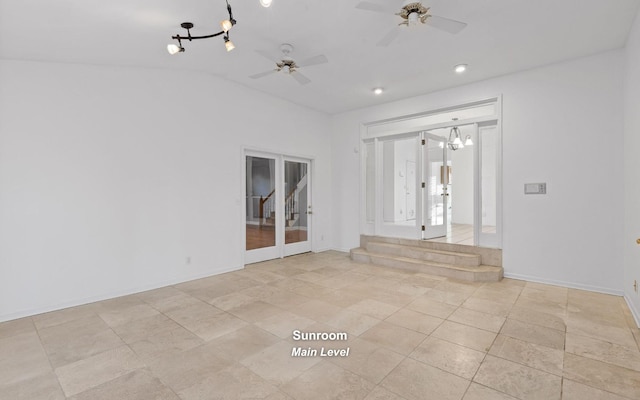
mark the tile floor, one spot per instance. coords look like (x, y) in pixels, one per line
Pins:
(410, 336)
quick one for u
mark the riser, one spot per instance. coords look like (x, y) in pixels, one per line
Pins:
(470, 260)
(482, 273)
(488, 256)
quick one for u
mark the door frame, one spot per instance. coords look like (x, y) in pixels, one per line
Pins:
(278, 250)
(376, 131)
(426, 232)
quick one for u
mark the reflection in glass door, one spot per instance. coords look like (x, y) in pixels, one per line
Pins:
(261, 206)
(297, 208)
(436, 172)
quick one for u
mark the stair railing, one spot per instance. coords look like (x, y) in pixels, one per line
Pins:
(266, 206)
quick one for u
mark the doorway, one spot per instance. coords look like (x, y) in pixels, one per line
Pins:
(418, 185)
(277, 206)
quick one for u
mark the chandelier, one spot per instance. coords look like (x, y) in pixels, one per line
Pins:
(225, 25)
(455, 140)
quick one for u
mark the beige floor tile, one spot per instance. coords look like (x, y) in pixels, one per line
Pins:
(607, 377)
(380, 393)
(532, 355)
(518, 380)
(184, 369)
(479, 392)
(487, 306)
(395, 338)
(21, 358)
(16, 327)
(255, 311)
(542, 305)
(145, 327)
(93, 371)
(286, 299)
(477, 319)
(284, 323)
(368, 360)
(176, 300)
(577, 391)
(431, 307)
(328, 381)
(41, 387)
(603, 351)
(66, 315)
(581, 326)
(533, 334)
(136, 385)
(311, 290)
(276, 365)
(374, 308)
(78, 339)
(464, 335)
(192, 315)
(317, 310)
(278, 396)
(415, 321)
(244, 342)
(126, 315)
(352, 322)
(538, 318)
(341, 298)
(450, 357)
(208, 324)
(234, 382)
(452, 298)
(232, 300)
(414, 380)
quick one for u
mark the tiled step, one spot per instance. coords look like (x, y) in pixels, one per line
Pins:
(421, 253)
(479, 273)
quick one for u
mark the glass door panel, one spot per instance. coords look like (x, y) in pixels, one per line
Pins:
(399, 185)
(488, 220)
(436, 172)
(261, 207)
(297, 207)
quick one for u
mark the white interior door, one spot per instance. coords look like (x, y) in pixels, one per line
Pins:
(436, 196)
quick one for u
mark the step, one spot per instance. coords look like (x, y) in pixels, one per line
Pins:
(480, 273)
(421, 253)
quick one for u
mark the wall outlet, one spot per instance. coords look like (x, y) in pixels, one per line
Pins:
(635, 286)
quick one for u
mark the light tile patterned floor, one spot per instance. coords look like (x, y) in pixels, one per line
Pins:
(411, 336)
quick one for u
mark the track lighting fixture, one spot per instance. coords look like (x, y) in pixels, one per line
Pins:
(225, 25)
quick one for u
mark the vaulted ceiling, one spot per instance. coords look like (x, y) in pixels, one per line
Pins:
(502, 36)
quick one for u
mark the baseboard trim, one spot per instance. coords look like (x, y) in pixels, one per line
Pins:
(340, 249)
(566, 284)
(634, 311)
(113, 295)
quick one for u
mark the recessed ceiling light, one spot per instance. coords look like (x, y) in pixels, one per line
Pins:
(265, 3)
(378, 91)
(460, 68)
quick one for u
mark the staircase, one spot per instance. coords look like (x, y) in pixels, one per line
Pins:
(468, 263)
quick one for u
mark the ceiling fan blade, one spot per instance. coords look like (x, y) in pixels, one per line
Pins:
(268, 56)
(321, 59)
(386, 9)
(446, 24)
(303, 80)
(389, 37)
(263, 74)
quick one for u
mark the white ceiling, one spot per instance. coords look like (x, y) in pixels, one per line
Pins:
(502, 36)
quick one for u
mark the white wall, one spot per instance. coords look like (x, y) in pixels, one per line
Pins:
(111, 177)
(557, 121)
(632, 169)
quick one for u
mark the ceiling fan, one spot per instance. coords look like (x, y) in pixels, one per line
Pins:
(413, 14)
(288, 66)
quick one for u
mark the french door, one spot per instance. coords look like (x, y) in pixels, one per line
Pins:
(436, 194)
(277, 206)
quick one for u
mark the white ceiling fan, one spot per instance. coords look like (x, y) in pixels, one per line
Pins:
(288, 66)
(413, 14)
